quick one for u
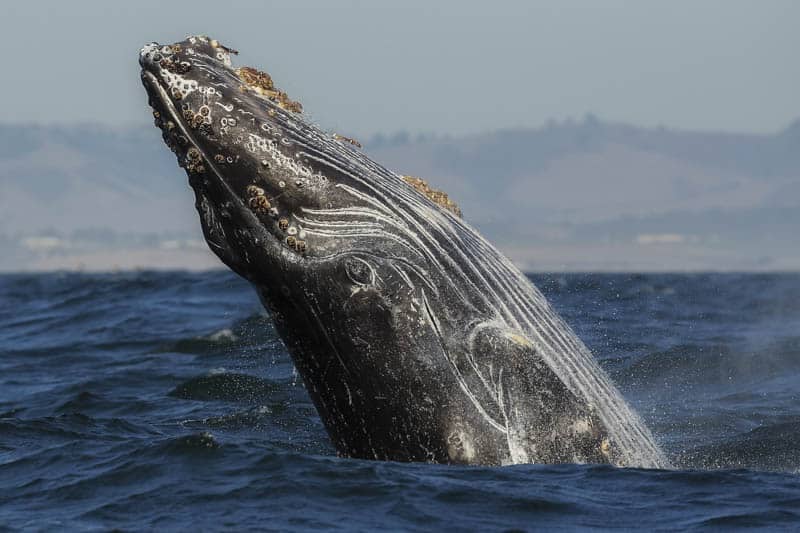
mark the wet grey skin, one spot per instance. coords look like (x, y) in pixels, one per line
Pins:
(416, 339)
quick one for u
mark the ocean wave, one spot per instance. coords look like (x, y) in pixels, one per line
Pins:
(109, 417)
(226, 386)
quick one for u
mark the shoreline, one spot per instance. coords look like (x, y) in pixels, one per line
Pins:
(531, 260)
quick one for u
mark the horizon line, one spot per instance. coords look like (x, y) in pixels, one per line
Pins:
(569, 121)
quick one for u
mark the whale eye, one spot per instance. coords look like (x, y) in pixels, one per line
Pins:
(359, 271)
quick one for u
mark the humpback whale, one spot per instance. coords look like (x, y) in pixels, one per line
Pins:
(416, 339)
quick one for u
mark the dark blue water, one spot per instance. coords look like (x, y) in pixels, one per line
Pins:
(165, 401)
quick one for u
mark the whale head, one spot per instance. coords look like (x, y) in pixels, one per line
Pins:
(228, 129)
(274, 192)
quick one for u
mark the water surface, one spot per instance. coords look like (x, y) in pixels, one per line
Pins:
(166, 401)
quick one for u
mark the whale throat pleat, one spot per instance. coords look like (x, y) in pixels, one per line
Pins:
(489, 280)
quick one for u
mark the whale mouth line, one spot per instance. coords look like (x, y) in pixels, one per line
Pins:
(165, 100)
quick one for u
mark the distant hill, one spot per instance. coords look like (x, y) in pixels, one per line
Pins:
(89, 177)
(570, 195)
(593, 194)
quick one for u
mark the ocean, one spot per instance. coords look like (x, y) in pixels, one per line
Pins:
(165, 401)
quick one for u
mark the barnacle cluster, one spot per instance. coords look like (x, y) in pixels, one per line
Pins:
(260, 205)
(261, 83)
(257, 200)
(342, 138)
(201, 119)
(194, 161)
(438, 197)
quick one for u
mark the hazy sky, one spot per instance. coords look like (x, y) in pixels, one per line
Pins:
(447, 66)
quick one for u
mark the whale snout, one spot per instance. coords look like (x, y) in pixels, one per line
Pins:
(150, 55)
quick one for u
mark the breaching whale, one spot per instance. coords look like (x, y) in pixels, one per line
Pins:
(416, 339)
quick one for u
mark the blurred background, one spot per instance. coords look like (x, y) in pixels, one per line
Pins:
(613, 136)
